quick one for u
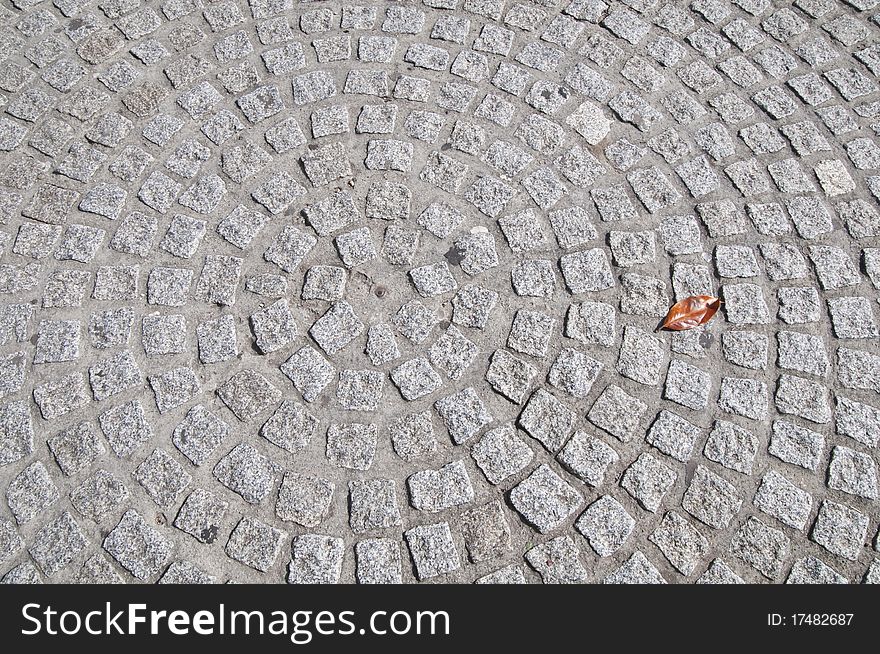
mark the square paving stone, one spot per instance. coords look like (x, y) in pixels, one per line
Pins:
(858, 421)
(412, 436)
(309, 372)
(267, 284)
(273, 327)
(852, 317)
(463, 413)
(12, 373)
(217, 339)
(486, 532)
(201, 516)
(315, 559)
(681, 543)
(110, 328)
(804, 398)
(66, 289)
(57, 341)
(802, 352)
(97, 570)
(174, 388)
(30, 492)
(162, 477)
(719, 573)
(834, 268)
(248, 394)
(289, 248)
(116, 283)
(858, 369)
(547, 420)
(606, 525)
(477, 252)
(135, 235)
(378, 561)
(80, 243)
(500, 453)
(510, 376)
(255, 544)
(163, 335)
(324, 283)
(523, 231)
(796, 445)
(557, 561)
(76, 448)
(743, 397)
(687, 385)
(731, 446)
(453, 353)
(352, 446)
(840, 529)
(98, 495)
(137, 547)
(617, 412)
(54, 546)
(648, 480)
(641, 356)
(711, 499)
(373, 505)
(673, 435)
(169, 286)
(745, 348)
(435, 490)
(574, 372)
(336, 328)
(534, 278)
(588, 458)
(636, 570)
(643, 295)
(762, 547)
(811, 570)
(24, 573)
(10, 541)
(586, 271)
(631, 248)
(184, 572)
(778, 497)
(304, 499)
(852, 472)
(218, 281)
(432, 549)
(544, 499)
(416, 378)
(381, 344)
(399, 245)
(58, 398)
(433, 279)
(326, 164)
(530, 332)
(241, 226)
(509, 574)
(199, 434)
(291, 427)
(388, 201)
(745, 304)
(472, 305)
(873, 574)
(247, 472)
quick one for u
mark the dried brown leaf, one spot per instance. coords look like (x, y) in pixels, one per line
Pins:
(691, 312)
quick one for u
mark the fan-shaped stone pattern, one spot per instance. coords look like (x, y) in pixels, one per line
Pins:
(328, 292)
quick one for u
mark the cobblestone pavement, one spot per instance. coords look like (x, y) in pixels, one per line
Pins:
(317, 292)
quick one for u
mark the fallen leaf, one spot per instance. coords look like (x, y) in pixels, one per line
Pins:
(691, 312)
